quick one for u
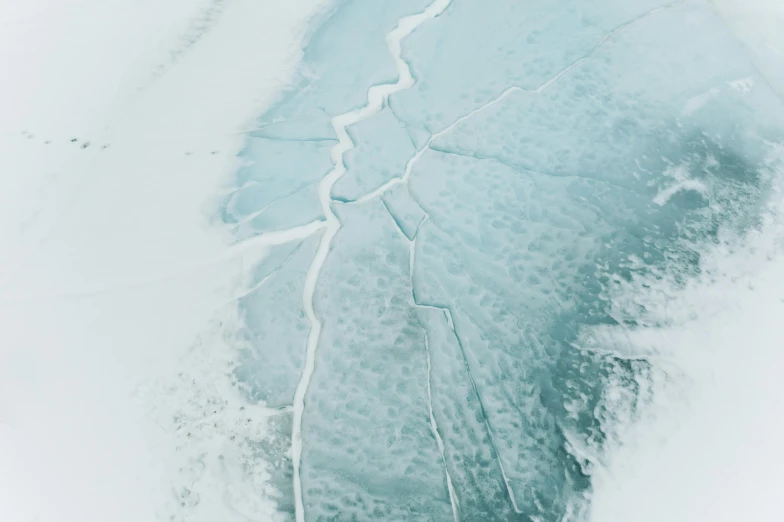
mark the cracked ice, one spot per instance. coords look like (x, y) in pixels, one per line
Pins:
(461, 198)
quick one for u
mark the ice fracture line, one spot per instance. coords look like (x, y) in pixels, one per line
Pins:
(377, 99)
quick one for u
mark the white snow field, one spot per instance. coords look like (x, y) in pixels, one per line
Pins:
(119, 124)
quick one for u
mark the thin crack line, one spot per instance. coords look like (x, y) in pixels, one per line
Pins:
(453, 499)
(527, 171)
(601, 42)
(447, 312)
(450, 321)
(439, 441)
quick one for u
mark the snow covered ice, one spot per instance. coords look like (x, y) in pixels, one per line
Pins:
(471, 236)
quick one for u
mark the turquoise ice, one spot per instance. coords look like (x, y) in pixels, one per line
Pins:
(545, 151)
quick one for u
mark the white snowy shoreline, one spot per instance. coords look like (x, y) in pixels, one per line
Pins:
(110, 270)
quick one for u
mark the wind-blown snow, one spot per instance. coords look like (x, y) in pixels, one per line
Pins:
(709, 446)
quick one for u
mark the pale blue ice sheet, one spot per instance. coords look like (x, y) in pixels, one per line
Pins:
(604, 139)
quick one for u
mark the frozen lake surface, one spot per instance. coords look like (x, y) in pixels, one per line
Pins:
(479, 261)
(483, 226)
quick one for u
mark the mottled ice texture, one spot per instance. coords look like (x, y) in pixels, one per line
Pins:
(470, 451)
(565, 146)
(370, 453)
(381, 149)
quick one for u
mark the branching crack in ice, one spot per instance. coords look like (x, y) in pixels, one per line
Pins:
(377, 98)
(412, 161)
(524, 170)
(514, 88)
